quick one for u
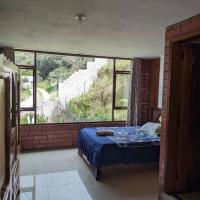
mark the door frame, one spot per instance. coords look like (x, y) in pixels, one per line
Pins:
(167, 173)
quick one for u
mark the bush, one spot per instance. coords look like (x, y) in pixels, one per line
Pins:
(41, 119)
(28, 118)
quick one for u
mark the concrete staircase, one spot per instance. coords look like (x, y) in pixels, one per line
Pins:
(80, 81)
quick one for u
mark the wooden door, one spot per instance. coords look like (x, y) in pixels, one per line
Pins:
(183, 134)
(178, 128)
(194, 174)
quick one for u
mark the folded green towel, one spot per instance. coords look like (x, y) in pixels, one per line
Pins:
(104, 133)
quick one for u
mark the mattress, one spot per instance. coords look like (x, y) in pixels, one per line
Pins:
(128, 145)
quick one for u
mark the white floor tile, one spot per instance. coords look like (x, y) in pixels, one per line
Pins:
(62, 174)
(42, 193)
(62, 178)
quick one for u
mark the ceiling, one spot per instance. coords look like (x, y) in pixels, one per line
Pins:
(123, 28)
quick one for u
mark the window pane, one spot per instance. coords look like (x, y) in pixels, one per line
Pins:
(27, 117)
(26, 88)
(24, 58)
(122, 89)
(73, 89)
(123, 65)
(120, 115)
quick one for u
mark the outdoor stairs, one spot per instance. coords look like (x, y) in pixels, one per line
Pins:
(80, 81)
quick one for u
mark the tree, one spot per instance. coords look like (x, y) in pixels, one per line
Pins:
(81, 62)
(47, 63)
(25, 84)
(41, 119)
(24, 58)
(59, 74)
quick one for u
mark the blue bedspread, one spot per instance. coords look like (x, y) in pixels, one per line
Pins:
(127, 145)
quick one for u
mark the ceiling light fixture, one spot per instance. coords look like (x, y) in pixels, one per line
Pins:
(79, 18)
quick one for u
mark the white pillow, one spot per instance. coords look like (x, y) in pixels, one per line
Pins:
(150, 128)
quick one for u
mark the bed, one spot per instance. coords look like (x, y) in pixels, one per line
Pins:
(127, 145)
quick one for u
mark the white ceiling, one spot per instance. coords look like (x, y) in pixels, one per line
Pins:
(124, 28)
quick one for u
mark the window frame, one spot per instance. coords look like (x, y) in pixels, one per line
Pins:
(34, 68)
(115, 73)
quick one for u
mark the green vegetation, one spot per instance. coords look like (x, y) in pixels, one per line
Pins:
(122, 89)
(57, 68)
(43, 84)
(25, 90)
(41, 119)
(47, 63)
(120, 115)
(28, 118)
(24, 58)
(95, 105)
(59, 74)
(123, 65)
(24, 94)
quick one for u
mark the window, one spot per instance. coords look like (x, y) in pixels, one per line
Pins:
(120, 115)
(27, 117)
(121, 89)
(24, 58)
(122, 65)
(27, 70)
(26, 88)
(61, 88)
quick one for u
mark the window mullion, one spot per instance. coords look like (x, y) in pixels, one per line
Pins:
(114, 90)
(35, 89)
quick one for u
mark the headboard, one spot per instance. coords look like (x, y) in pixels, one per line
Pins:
(155, 114)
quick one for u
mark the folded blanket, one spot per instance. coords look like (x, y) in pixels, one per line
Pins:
(104, 133)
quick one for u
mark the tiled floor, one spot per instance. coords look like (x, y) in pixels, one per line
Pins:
(59, 185)
(62, 175)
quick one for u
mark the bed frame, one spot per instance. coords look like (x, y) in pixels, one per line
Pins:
(96, 172)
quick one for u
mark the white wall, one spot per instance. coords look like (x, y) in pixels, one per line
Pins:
(160, 91)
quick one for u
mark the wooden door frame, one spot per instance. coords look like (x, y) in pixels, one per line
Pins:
(169, 141)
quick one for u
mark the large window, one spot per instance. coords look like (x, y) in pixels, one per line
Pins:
(59, 88)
